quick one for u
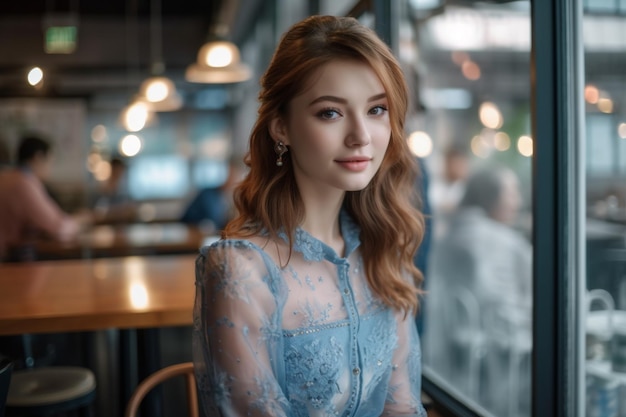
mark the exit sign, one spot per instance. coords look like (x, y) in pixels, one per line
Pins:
(60, 32)
(60, 39)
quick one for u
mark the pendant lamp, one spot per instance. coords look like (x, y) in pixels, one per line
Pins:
(158, 92)
(218, 63)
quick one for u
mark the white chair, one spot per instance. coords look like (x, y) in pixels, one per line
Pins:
(463, 320)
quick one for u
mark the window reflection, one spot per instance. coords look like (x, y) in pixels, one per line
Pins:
(604, 306)
(471, 93)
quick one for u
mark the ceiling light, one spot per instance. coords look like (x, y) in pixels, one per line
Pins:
(35, 75)
(218, 63)
(158, 91)
(160, 94)
(136, 116)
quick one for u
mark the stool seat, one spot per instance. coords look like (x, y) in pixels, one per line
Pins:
(49, 385)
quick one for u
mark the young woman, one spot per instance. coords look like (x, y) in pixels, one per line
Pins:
(305, 307)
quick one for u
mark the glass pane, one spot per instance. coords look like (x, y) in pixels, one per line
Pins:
(468, 69)
(604, 35)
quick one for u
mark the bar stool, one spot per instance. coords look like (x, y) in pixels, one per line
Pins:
(50, 389)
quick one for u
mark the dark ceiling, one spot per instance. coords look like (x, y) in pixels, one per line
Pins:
(115, 48)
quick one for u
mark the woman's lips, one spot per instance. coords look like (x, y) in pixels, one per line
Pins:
(354, 164)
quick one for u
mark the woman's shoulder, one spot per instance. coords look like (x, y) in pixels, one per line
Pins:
(238, 260)
(239, 253)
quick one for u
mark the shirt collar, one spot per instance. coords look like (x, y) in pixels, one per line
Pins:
(315, 250)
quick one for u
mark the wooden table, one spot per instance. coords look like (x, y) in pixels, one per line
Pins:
(75, 295)
(142, 239)
(88, 295)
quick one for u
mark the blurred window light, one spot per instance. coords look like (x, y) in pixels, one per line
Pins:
(592, 94)
(130, 145)
(459, 57)
(525, 146)
(209, 173)
(470, 70)
(425, 4)
(480, 146)
(93, 160)
(99, 133)
(502, 141)
(490, 115)
(420, 144)
(604, 33)
(446, 98)
(468, 29)
(605, 105)
(102, 170)
(621, 130)
(158, 177)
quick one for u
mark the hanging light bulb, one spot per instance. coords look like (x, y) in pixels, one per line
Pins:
(136, 116)
(160, 95)
(158, 91)
(35, 76)
(218, 63)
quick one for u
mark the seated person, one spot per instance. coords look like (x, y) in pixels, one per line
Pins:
(212, 207)
(111, 203)
(481, 279)
(26, 210)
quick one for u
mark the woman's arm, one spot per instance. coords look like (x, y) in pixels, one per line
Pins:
(236, 331)
(404, 391)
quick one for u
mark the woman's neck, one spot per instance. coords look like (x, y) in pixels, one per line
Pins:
(322, 222)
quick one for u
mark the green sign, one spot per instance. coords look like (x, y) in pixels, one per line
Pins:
(60, 39)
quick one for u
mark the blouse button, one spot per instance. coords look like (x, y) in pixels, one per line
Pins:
(356, 371)
(346, 291)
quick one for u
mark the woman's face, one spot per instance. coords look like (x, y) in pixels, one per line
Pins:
(337, 130)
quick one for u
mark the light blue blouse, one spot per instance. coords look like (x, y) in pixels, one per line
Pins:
(305, 339)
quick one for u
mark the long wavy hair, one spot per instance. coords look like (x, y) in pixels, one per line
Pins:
(268, 198)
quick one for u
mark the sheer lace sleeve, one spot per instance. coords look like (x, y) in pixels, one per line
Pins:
(237, 337)
(404, 392)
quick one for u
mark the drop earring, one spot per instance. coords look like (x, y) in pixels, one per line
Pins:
(280, 148)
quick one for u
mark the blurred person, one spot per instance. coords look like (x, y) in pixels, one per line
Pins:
(483, 258)
(27, 211)
(306, 305)
(448, 188)
(111, 202)
(213, 207)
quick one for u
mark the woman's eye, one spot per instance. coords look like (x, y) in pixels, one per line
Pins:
(378, 110)
(328, 114)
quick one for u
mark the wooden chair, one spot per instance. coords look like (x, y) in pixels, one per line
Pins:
(157, 378)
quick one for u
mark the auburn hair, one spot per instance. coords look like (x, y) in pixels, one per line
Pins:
(268, 198)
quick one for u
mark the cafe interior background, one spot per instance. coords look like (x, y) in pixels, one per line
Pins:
(470, 66)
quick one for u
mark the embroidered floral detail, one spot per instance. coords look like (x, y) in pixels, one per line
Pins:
(315, 315)
(378, 349)
(270, 331)
(311, 248)
(312, 371)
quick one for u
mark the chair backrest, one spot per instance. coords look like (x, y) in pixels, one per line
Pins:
(6, 366)
(157, 378)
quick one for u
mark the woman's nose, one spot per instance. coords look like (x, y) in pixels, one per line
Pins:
(358, 134)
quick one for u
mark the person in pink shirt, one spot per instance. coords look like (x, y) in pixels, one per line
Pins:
(26, 210)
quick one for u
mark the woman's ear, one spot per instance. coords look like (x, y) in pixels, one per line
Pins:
(278, 130)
